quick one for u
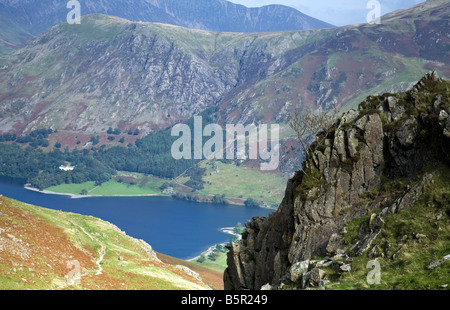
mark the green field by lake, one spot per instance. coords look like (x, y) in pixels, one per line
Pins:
(233, 181)
(124, 184)
(243, 182)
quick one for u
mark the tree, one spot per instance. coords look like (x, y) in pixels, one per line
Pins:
(234, 238)
(239, 229)
(251, 203)
(95, 140)
(213, 255)
(220, 248)
(84, 192)
(220, 199)
(313, 128)
(201, 259)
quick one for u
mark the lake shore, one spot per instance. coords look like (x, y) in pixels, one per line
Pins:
(77, 196)
(178, 228)
(226, 230)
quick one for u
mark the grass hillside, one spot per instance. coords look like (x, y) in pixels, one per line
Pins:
(410, 242)
(240, 183)
(47, 249)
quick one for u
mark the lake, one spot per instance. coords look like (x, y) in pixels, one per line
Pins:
(178, 228)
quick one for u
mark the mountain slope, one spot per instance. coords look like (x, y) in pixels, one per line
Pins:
(224, 16)
(13, 36)
(46, 249)
(112, 72)
(217, 15)
(378, 188)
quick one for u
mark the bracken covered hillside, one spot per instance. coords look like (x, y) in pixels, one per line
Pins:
(46, 249)
(378, 189)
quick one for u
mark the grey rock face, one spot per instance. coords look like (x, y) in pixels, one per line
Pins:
(352, 162)
(316, 275)
(335, 244)
(298, 270)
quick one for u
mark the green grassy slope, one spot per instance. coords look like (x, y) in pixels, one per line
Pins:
(416, 237)
(38, 244)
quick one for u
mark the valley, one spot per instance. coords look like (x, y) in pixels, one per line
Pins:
(144, 78)
(89, 116)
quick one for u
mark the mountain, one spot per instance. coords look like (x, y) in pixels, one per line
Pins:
(45, 249)
(224, 16)
(378, 189)
(37, 16)
(13, 35)
(112, 72)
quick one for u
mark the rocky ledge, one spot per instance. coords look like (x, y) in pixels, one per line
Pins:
(389, 137)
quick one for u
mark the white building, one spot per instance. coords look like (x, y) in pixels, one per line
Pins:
(66, 168)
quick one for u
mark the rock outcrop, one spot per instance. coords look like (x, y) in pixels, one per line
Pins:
(389, 136)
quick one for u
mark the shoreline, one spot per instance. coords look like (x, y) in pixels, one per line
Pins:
(77, 196)
(210, 249)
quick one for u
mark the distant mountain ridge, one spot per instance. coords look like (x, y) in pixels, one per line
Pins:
(224, 16)
(36, 16)
(109, 71)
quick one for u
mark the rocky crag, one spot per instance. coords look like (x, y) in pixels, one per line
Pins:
(377, 162)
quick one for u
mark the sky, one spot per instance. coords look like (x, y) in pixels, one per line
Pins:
(336, 12)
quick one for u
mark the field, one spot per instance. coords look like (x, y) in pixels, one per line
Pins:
(219, 264)
(125, 184)
(237, 183)
(242, 182)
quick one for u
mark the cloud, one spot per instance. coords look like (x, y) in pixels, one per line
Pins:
(339, 13)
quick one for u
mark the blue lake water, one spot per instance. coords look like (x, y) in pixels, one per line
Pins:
(177, 228)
